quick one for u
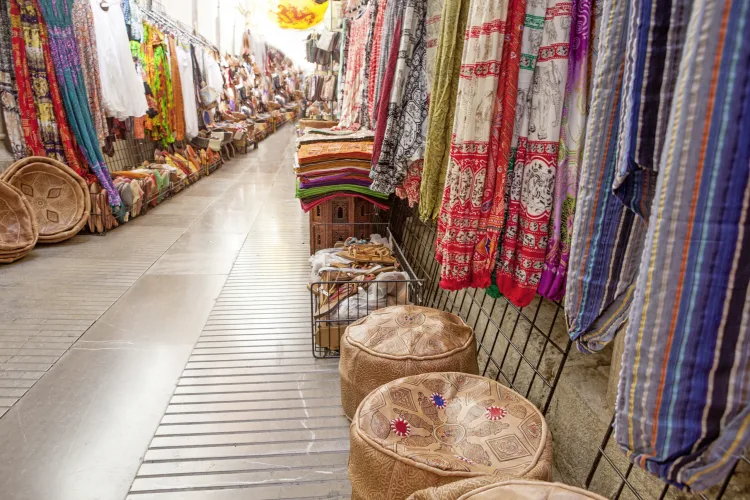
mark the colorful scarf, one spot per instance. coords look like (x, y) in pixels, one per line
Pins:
(407, 107)
(573, 131)
(178, 110)
(351, 102)
(501, 135)
(67, 64)
(8, 89)
(683, 407)
(527, 234)
(83, 20)
(467, 195)
(442, 111)
(159, 78)
(364, 99)
(375, 52)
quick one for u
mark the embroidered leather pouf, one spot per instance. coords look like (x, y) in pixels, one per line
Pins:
(488, 489)
(399, 341)
(438, 428)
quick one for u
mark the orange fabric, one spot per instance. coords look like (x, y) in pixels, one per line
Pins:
(178, 110)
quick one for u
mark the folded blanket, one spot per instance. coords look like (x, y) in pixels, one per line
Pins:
(310, 192)
(310, 203)
(323, 151)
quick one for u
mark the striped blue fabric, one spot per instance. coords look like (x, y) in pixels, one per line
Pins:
(683, 409)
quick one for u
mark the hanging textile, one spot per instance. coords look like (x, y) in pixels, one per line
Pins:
(58, 15)
(159, 79)
(178, 111)
(83, 20)
(466, 196)
(188, 92)
(501, 134)
(536, 163)
(393, 9)
(351, 103)
(609, 233)
(443, 95)
(122, 89)
(364, 107)
(552, 284)
(372, 72)
(403, 139)
(8, 89)
(409, 188)
(27, 108)
(683, 406)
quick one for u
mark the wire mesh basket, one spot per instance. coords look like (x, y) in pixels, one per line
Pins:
(351, 300)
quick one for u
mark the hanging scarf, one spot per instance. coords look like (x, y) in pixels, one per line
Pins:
(83, 20)
(372, 71)
(409, 188)
(467, 194)
(178, 110)
(64, 49)
(158, 76)
(351, 102)
(407, 107)
(527, 234)
(8, 89)
(364, 107)
(442, 111)
(683, 406)
(29, 120)
(382, 108)
(501, 135)
(574, 114)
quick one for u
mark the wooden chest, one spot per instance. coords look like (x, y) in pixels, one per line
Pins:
(339, 218)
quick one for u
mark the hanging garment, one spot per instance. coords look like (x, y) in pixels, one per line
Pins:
(8, 89)
(159, 79)
(683, 406)
(122, 92)
(466, 196)
(136, 21)
(188, 92)
(403, 140)
(58, 16)
(409, 188)
(178, 111)
(492, 219)
(443, 94)
(374, 60)
(535, 163)
(27, 108)
(382, 108)
(552, 284)
(351, 102)
(609, 233)
(83, 20)
(393, 9)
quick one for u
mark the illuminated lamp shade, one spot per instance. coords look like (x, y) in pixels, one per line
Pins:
(297, 14)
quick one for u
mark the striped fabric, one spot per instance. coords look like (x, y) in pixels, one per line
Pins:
(619, 168)
(683, 409)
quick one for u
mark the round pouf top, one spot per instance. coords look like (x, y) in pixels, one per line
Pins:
(399, 341)
(487, 488)
(438, 428)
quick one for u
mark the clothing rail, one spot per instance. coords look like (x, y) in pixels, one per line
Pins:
(182, 30)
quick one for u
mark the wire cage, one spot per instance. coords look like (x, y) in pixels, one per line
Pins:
(334, 305)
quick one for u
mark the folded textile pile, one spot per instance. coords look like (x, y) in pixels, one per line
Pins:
(328, 168)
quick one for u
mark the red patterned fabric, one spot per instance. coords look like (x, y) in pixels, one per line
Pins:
(377, 36)
(469, 187)
(521, 262)
(26, 106)
(409, 189)
(501, 135)
(382, 111)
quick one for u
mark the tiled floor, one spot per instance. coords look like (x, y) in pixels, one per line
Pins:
(244, 413)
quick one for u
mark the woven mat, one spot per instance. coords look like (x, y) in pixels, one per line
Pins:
(58, 196)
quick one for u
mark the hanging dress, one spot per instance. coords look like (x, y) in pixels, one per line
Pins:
(466, 195)
(122, 88)
(83, 20)
(188, 92)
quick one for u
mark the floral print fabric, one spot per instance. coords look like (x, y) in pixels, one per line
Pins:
(351, 104)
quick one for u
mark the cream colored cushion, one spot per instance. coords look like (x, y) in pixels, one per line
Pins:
(486, 488)
(434, 429)
(399, 341)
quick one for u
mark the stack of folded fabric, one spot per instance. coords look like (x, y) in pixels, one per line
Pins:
(332, 164)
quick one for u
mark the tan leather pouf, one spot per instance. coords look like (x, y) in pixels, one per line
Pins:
(488, 489)
(438, 428)
(399, 341)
